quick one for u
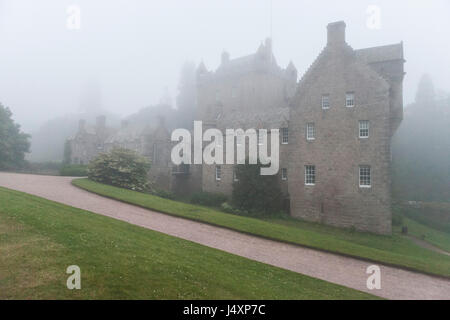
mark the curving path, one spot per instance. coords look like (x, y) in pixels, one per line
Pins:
(395, 283)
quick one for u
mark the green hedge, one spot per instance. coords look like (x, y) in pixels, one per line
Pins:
(209, 199)
(74, 170)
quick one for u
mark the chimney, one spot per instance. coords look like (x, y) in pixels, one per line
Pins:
(336, 33)
(81, 125)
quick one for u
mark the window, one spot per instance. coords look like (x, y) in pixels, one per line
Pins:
(181, 169)
(310, 175)
(310, 131)
(325, 101)
(349, 99)
(364, 177)
(363, 128)
(218, 173)
(283, 174)
(235, 177)
(284, 135)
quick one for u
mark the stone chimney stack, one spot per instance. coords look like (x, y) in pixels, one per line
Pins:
(336, 33)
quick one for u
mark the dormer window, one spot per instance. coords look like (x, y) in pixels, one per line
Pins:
(349, 99)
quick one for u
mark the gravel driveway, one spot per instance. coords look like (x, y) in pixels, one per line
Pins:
(395, 283)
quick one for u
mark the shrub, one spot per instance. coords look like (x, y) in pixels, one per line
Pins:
(208, 199)
(256, 193)
(163, 194)
(397, 218)
(227, 207)
(121, 168)
(74, 170)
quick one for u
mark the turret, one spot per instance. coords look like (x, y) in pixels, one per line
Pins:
(201, 69)
(291, 71)
(225, 57)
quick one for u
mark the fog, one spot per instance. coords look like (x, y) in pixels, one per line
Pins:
(129, 53)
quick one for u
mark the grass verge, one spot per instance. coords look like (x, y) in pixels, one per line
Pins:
(394, 250)
(39, 239)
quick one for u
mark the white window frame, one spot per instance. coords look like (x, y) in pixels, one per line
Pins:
(284, 135)
(365, 176)
(364, 125)
(325, 101)
(310, 172)
(349, 97)
(284, 176)
(218, 173)
(310, 134)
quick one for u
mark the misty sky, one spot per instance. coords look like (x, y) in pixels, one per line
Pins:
(132, 50)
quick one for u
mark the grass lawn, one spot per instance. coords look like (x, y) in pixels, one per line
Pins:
(435, 237)
(395, 250)
(39, 239)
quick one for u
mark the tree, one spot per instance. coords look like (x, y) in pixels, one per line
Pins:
(254, 192)
(121, 168)
(67, 152)
(13, 143)
(420, 148)
(425, 93)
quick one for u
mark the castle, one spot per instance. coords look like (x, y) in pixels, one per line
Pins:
(335, 124)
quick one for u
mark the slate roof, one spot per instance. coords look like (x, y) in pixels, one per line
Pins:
(272, 118)
(132, 132)
(381, 53)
